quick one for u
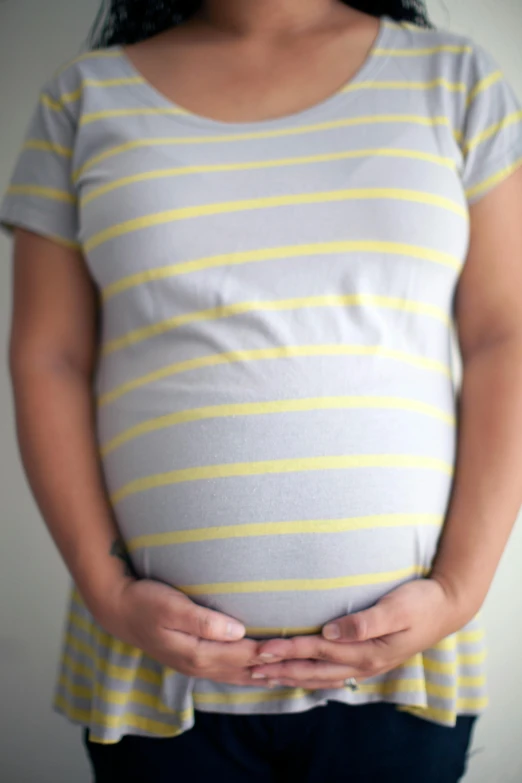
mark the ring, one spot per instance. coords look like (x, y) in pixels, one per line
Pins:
(352, 684)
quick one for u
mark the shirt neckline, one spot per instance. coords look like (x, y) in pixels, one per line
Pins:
(374, 61)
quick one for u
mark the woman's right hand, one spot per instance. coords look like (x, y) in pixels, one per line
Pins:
(176, 632)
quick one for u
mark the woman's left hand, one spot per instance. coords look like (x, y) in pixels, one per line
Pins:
(407, 621)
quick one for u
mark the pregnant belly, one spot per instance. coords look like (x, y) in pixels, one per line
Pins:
(337, 518)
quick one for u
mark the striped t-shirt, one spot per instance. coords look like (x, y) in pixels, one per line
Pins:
(276, 405)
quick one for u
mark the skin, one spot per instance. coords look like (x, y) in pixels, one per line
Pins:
(53, 349)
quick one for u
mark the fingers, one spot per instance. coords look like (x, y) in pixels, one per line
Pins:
(383, 619)
(309, 647)
(242, 654)
(310, 685)
(200, 656)
(186, 616)
(302, 672)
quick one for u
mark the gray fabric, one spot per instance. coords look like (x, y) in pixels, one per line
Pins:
(282, 291)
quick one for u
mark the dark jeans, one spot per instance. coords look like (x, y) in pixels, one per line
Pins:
(363, 744)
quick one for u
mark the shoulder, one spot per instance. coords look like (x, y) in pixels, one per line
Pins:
(449, 50)
(414, 36)
(64, 90)
(438, 56)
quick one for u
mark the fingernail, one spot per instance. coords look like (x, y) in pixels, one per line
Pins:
(332, 632)
(267, 656)
(273, 683)
(258, 676)
(235, 631)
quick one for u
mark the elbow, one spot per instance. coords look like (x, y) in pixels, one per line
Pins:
(27, 363)
(492, 341)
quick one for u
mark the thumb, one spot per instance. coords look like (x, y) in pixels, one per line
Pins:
(186, 616)
(380, 620)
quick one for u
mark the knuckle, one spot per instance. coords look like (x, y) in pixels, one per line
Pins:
(324, 652)
(205, 624)
(359, 629)
(294, 671)
(198, 660)
(367, 664)
(375, 667)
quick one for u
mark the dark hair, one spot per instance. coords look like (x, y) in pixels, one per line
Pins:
(130, 21)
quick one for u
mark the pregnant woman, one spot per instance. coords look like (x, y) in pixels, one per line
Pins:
(244, 230)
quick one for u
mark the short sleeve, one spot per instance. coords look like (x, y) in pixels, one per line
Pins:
(492, 134)
(41, 195)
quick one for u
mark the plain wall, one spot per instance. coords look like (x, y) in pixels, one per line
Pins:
(35, 743)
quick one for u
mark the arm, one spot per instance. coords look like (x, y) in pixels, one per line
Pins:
(487, 491)
(53, 350)
(52, 358)
(488, 482)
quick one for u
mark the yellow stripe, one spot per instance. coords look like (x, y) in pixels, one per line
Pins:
(35, 190)
(120, 721)
(480, 138)
(483, 85)
(375, 119)
(227, 207)
(65, 242)
(407, 85)
(265, 164)
(125, 673)
(228, 311)
(423, 52)
(473, 659)
(419, 685)
(472, 704)
(495, 179)
(75, 667)
(293, 528)
(119, 698)
(45, 146)
(470, 637)
(54, 238)
(282, 633)
(472, 682)
(111, 113)
(50, 103)
(98, 54)
(102, 637)
(302, 585)
(252, 697)
(276, 406)
(70, 97)
(450, 667)
(451, 643)
(266, 467)
(448, 716)
(413, 27)
(284, 352)
(278, 253)
(399, 685)
(388, 688)
(84, 648)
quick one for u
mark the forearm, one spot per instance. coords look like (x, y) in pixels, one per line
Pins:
(55, 424)
(487, 490)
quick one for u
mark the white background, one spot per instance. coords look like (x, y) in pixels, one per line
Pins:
(36, 745)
